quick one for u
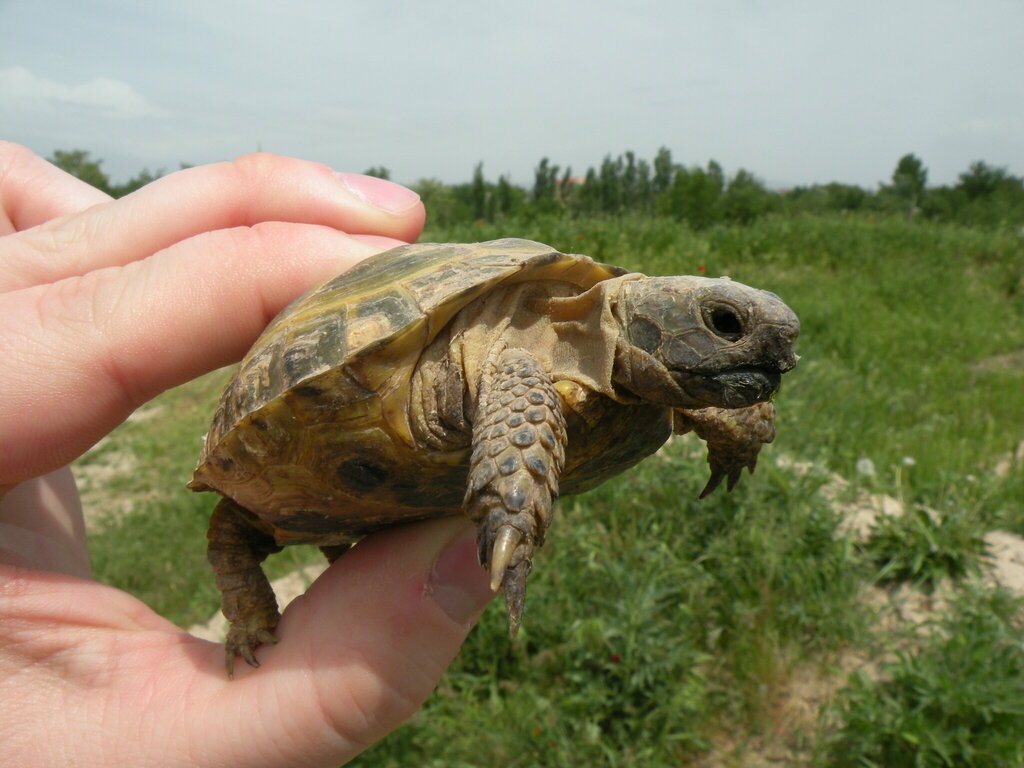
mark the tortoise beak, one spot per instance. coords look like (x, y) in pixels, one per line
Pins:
(744, 386)
(779, 355)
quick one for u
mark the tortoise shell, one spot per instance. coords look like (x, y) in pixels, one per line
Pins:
(313, 432)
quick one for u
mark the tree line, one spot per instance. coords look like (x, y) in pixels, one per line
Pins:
(705, 195)
(700, 196)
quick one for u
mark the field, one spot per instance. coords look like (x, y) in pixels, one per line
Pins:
(777, 625)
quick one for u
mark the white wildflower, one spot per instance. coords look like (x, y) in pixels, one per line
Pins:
(865, 466)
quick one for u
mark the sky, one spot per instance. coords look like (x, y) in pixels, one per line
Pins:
(796, 91)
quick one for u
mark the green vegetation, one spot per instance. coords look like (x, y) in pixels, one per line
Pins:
(958, 702)
(79, 163)
(918, 549)
(704, 196)
(659, 628)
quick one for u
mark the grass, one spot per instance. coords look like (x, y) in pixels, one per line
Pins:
(921, 550)
(959, 701)
(662, 631)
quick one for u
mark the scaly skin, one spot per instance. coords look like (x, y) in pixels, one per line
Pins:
(236, 545)
(518, 453)
(734, 437)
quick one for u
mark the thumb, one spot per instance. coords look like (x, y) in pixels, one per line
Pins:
(365, 646)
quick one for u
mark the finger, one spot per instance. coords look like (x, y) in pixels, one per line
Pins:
(81, 354)
(252, 189)
(365, 646)
(33, 191)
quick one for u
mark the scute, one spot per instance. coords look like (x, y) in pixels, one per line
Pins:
(346, 350)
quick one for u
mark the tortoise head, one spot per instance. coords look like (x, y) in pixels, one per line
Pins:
(694, 342)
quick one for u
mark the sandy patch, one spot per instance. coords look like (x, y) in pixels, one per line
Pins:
(1012, 361)
(94, 473)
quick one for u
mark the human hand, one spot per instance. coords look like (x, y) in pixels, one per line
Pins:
(104, 304)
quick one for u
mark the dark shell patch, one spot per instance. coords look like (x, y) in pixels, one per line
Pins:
(361, 474)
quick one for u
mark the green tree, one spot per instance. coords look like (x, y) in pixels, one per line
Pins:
(610, 184)
(989, 195)
(478, 192)
(80, 164)
(545, 182)
(644, 190)
(909, 181)
(588, 197)
(845, 197)
(824, 198)
(629, 180)
(379, 171)
(663, 171)
(566, 193)
(443, 207)
(745, 198)
(507, 198)
(144, 177)
(695, 195)
(981, 180)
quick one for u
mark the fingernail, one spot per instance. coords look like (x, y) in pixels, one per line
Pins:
(380, 193)
(458, 584)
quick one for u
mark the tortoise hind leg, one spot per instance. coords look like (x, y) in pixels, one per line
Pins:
(236, 545)
(518, 452)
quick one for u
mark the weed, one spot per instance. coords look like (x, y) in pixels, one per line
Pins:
(923, 548)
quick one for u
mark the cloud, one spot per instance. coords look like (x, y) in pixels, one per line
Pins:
(21, 88)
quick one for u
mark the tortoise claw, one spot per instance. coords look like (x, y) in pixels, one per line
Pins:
(734, 477)
(504, 546)
(717, 475)
(514, 586)
(242, 643)
(507, 556)
(730, 474)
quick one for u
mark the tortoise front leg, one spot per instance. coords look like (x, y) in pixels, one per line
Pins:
(236, 545)
(734, 437)
(518, 453)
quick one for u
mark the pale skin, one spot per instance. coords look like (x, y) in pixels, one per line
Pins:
(104, 304)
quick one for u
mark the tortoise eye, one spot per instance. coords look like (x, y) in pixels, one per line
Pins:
(726, 324)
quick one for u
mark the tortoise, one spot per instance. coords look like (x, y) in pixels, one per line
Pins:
(483, 378)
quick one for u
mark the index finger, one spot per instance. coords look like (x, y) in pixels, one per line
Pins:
(250, 190)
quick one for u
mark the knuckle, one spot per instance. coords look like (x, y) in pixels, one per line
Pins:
(57, 246)
(259, 165)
